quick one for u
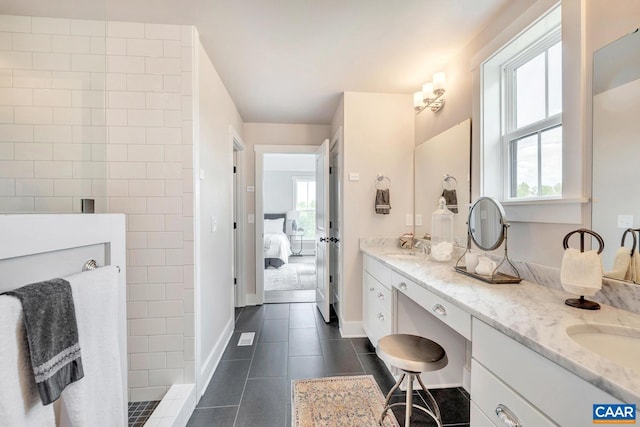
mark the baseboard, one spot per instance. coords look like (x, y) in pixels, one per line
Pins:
(211, 363)
(351, 330)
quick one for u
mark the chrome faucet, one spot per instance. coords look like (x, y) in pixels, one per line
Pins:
(423, 245)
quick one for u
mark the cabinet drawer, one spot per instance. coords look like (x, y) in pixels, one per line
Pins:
(478, 419)
(489, 394)
(378, 270)
(377, 305)
(561, 395)
(457, 319)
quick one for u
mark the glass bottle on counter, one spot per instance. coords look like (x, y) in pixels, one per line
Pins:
(442, 232)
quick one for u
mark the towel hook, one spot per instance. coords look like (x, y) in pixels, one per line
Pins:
(582, 232)
(383, 182)
(449, 182)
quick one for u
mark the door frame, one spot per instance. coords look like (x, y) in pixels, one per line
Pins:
(260, 151)
(336, 152)
(238, 147)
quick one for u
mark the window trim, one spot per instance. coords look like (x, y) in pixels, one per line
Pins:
(487, 93)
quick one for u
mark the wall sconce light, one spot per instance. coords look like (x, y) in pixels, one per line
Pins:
(432, 94)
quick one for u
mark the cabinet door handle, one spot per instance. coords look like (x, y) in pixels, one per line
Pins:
(381, 295)
(403, 286)
(439, 309)
(372, 289)
(381, 316)
(507, 417)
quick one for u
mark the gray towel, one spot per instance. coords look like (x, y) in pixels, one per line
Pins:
(52, 334)
(382, 202)
(451, 199)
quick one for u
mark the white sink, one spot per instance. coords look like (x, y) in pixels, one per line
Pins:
(406, 255)
(616, 343)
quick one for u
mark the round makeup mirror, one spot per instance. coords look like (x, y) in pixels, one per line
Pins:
(487, 229)
(487, 223)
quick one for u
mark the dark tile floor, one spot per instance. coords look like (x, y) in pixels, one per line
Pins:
(139, 412)
(252, 385)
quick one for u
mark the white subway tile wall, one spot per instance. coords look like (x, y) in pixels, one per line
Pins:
(103, 110)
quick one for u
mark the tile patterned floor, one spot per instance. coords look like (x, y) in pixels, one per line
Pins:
(139, 412)
(252, 385)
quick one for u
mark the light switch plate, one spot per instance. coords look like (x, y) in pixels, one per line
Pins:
(625, 221)
(418, 220)
(354, 176)
(251, 218)
(250, 189)
(409, 220)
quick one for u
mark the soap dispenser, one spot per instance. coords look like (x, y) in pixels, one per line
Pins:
(442, 232)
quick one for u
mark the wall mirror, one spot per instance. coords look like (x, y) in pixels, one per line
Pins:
(616, 150)
(487, 229)
(443, 163)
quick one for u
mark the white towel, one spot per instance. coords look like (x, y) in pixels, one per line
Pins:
(98, 398)
(623, 266)
(581, 272)
(20, 403)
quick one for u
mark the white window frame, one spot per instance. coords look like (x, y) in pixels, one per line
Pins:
(538, 20)
(301, 178)
(509, 115)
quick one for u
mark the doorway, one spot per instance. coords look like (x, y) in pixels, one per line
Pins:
(284, 214)
(288, 196)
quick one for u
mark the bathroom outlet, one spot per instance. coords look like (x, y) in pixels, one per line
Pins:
(625, 221)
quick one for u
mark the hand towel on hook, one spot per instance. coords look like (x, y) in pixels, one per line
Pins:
(383, 201)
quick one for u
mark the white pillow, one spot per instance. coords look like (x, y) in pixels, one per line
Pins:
(274, 226)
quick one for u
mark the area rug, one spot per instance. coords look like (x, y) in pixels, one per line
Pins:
(352, 401)
(295, 275)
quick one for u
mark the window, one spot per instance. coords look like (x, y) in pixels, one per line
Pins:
(533, 120)
(521, 108)
(304, 189)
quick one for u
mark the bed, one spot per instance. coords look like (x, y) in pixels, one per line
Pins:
(277, 247)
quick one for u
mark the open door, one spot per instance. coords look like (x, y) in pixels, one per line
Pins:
(323, 291)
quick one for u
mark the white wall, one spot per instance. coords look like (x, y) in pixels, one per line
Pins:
(52, 114)
(534, 242)
(270, 134)
(112, 120)
(215, 112)
(278, 190)
(379, 137)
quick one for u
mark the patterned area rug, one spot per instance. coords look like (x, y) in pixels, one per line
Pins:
(353, 401)
(295, 275)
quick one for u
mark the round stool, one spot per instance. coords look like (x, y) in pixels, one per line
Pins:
(412, 355)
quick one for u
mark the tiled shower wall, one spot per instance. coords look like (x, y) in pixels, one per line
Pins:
(104, 110)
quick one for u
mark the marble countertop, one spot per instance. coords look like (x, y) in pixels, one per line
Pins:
(534, 315)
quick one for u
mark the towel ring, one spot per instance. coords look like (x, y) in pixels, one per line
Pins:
(582, 232)
(635, 240)
(449, 182)
(383, 182)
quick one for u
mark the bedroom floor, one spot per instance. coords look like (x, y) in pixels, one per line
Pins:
(292, 282)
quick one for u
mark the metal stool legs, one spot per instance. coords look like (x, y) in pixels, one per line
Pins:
(409, 400)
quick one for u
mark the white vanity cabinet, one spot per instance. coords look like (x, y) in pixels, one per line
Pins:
(508, 380)
(376, 300)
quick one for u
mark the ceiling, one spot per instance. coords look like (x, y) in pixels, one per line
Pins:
(288, 61)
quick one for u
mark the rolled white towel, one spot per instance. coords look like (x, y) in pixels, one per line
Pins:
(581, 272)
(623, 269)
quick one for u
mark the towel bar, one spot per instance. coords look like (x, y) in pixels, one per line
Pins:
(92, 264)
